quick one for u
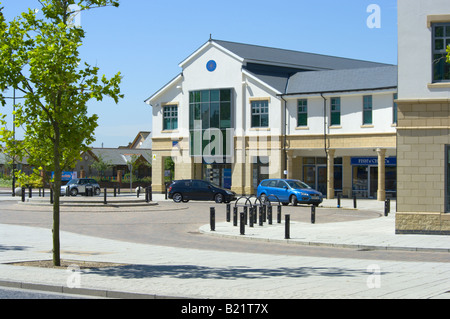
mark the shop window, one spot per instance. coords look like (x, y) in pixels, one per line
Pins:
(441, 40)
(170, 117)
(336, 111)
(302, 112)
(367, 109)
(260, 113)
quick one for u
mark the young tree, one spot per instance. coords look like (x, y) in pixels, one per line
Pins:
(40, 58)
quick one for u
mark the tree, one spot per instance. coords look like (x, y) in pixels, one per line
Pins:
(40, 58)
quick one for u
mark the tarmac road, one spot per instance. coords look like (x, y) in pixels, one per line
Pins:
(177, 225)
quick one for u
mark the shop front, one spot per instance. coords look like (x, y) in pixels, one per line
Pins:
(365, 177)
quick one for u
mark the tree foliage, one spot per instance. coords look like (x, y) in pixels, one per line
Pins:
(40, 58)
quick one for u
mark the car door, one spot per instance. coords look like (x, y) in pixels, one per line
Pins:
(200, 190)
(82, 186)
(283, 191)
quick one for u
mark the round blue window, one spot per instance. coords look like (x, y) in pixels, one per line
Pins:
(211, 65)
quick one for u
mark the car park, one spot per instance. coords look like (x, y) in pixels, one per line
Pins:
(288, 191)
(194, 189)
(80, 186)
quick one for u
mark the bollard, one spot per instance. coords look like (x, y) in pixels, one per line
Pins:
(228, 212)
(242, 223)
(269, 214)
(387, 207)
(115, 191)
(260, 216)
(104, 198)
(255, 214)
(251, 216)
(43, 191)
(138, 191)
(286, 227)
(212, 218)
(39, 192)
(23, 194)
(51, 195)
(118, 190)
(245, 214)
(313, 214)
(279, 214)
(235, 216)
(354, 201)
(150, 194)
(147, 199)
(29, 192)
(339, 200)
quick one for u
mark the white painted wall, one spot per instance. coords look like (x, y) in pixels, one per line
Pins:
(415, 48)
(351, 114)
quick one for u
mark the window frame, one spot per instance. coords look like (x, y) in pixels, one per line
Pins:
(303, 112)
(262, 111)
(367, 107)
(333, 101)
(172, 118)
(446, 38)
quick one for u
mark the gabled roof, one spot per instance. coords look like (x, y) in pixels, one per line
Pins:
(384, 77)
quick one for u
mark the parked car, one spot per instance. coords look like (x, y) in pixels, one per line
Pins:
(187, 189)
(289, 191)
(78, 186)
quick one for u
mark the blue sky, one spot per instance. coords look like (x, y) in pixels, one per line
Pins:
(146, 39)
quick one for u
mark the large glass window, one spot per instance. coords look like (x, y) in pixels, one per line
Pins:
(170, 117)
(441, 39)
(210, 122)
(260, 113)
(302, 112)
(367, 109)
(336, 111)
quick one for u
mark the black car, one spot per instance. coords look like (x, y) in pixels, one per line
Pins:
(187, 189)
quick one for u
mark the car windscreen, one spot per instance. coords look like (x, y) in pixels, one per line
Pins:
(298, 185)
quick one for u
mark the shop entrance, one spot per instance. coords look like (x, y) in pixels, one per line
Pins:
(365, 181)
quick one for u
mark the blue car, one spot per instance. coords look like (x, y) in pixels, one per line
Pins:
(288, 191)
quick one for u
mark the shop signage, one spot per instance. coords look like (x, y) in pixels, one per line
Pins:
(369, 161)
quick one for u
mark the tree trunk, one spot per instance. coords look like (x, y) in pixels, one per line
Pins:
(56, 195)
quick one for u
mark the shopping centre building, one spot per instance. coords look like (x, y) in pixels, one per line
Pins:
(239, 113)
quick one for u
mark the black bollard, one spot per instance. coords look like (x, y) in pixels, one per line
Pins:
(339, 200)
(245, 214)
(279, 214)
(115, 191)
(255, 214)
(251, 216)
(354, 201)
(242, 223)
(30, 192)
(212, 218)
(387, 207)
(313, 214)
(260, 216)
(235, 216)
(104, 198)
(287, 234)
(23, 194)
(269, 214)
(43, 191)
(228, 212)
(51, 195)
(138, 191)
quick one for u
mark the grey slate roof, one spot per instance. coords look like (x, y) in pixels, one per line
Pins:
(295, 59)
(343, 80)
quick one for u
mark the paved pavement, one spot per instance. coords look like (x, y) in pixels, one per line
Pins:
(156, 272)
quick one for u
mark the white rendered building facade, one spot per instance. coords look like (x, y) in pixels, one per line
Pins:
(240, 113)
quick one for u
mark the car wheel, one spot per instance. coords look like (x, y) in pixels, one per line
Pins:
(177, 198)
(73, 192)
(185, 200)
(294, 200)
(97, 191)
(218, 198)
